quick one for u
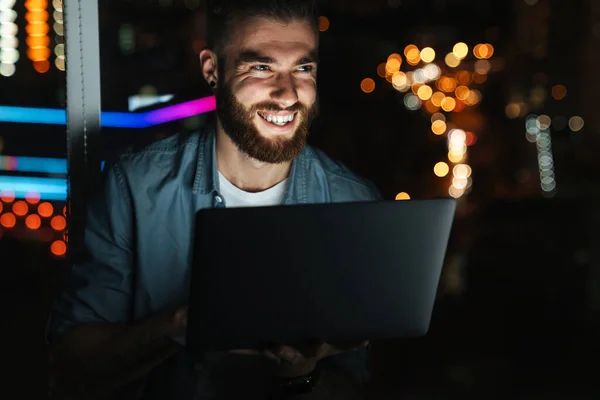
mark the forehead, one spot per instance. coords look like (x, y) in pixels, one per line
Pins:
(270, 36)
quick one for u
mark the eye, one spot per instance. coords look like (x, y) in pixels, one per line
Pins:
(260, 68)
(306, 68)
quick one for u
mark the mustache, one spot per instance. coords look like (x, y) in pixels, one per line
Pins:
(269, 106)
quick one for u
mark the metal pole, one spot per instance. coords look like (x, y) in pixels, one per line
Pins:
(83, 109)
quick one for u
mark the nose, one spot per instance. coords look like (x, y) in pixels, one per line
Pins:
(285, 93)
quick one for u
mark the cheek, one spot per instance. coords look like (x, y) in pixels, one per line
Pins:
(307, 93)
(250, 93)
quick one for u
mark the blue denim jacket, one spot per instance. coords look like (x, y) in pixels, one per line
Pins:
(139, 228)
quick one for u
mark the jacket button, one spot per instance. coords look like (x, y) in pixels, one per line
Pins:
(218, 199)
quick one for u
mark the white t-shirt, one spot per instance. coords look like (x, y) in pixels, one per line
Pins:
(235, 197)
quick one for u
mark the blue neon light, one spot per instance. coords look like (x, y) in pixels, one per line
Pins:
(47, 188)
(33, 164)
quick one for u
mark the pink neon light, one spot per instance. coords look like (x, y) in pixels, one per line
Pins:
(183, 110)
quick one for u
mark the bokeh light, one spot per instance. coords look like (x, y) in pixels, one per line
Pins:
(559, 92)
(323, 23)
(33, 221)
(441, 169)
(438, 127)
(403, 196)
(460, 50)
(45, 210)
(367, 85)
(576, 124)
(58, 248)
(427, 55)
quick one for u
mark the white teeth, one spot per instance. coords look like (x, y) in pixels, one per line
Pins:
(278, 120)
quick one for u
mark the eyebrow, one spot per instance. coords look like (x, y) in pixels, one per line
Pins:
(252, 56)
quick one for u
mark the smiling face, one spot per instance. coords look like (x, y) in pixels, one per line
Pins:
(267, 91)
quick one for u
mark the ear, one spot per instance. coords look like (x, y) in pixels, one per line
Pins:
(208, 63)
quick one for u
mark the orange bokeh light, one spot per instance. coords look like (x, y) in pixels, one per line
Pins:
(20, 208)
(41, 66)
(8, 220)
(64, 211)
(33, 221)
(45, 209)
(36, 15)
(37, 41)
(38, 53)
(37, 29)
(448, 104)
(367, 85)
(437, 98)
(58, 248)
(58, 223)
(324, 23)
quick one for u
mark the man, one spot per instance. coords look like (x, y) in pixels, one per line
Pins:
(112, 326)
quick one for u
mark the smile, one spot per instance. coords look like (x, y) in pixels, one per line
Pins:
(279, 120)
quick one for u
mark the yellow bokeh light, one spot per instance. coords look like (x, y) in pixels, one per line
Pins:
(437, 98)
(441, 169)
(451, 60)
(438, 127)
(403, 196)
(462, 171)
(462, 92)
(448, 104)
(425, 92)
(427, 55)
(367, 85)
(460, 50)
(399, 80)
(455, 157)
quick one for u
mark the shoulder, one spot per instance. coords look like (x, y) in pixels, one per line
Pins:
(165, 149)
(345, 185)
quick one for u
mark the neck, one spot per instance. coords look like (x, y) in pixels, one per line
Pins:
(243, 171)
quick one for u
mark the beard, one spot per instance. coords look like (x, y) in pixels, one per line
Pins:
(238, 123)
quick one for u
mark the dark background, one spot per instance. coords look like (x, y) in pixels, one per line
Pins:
(518, 305)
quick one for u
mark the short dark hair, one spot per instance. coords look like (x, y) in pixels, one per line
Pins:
(222, 14)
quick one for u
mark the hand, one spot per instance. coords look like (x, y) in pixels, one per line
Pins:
(301, 360)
